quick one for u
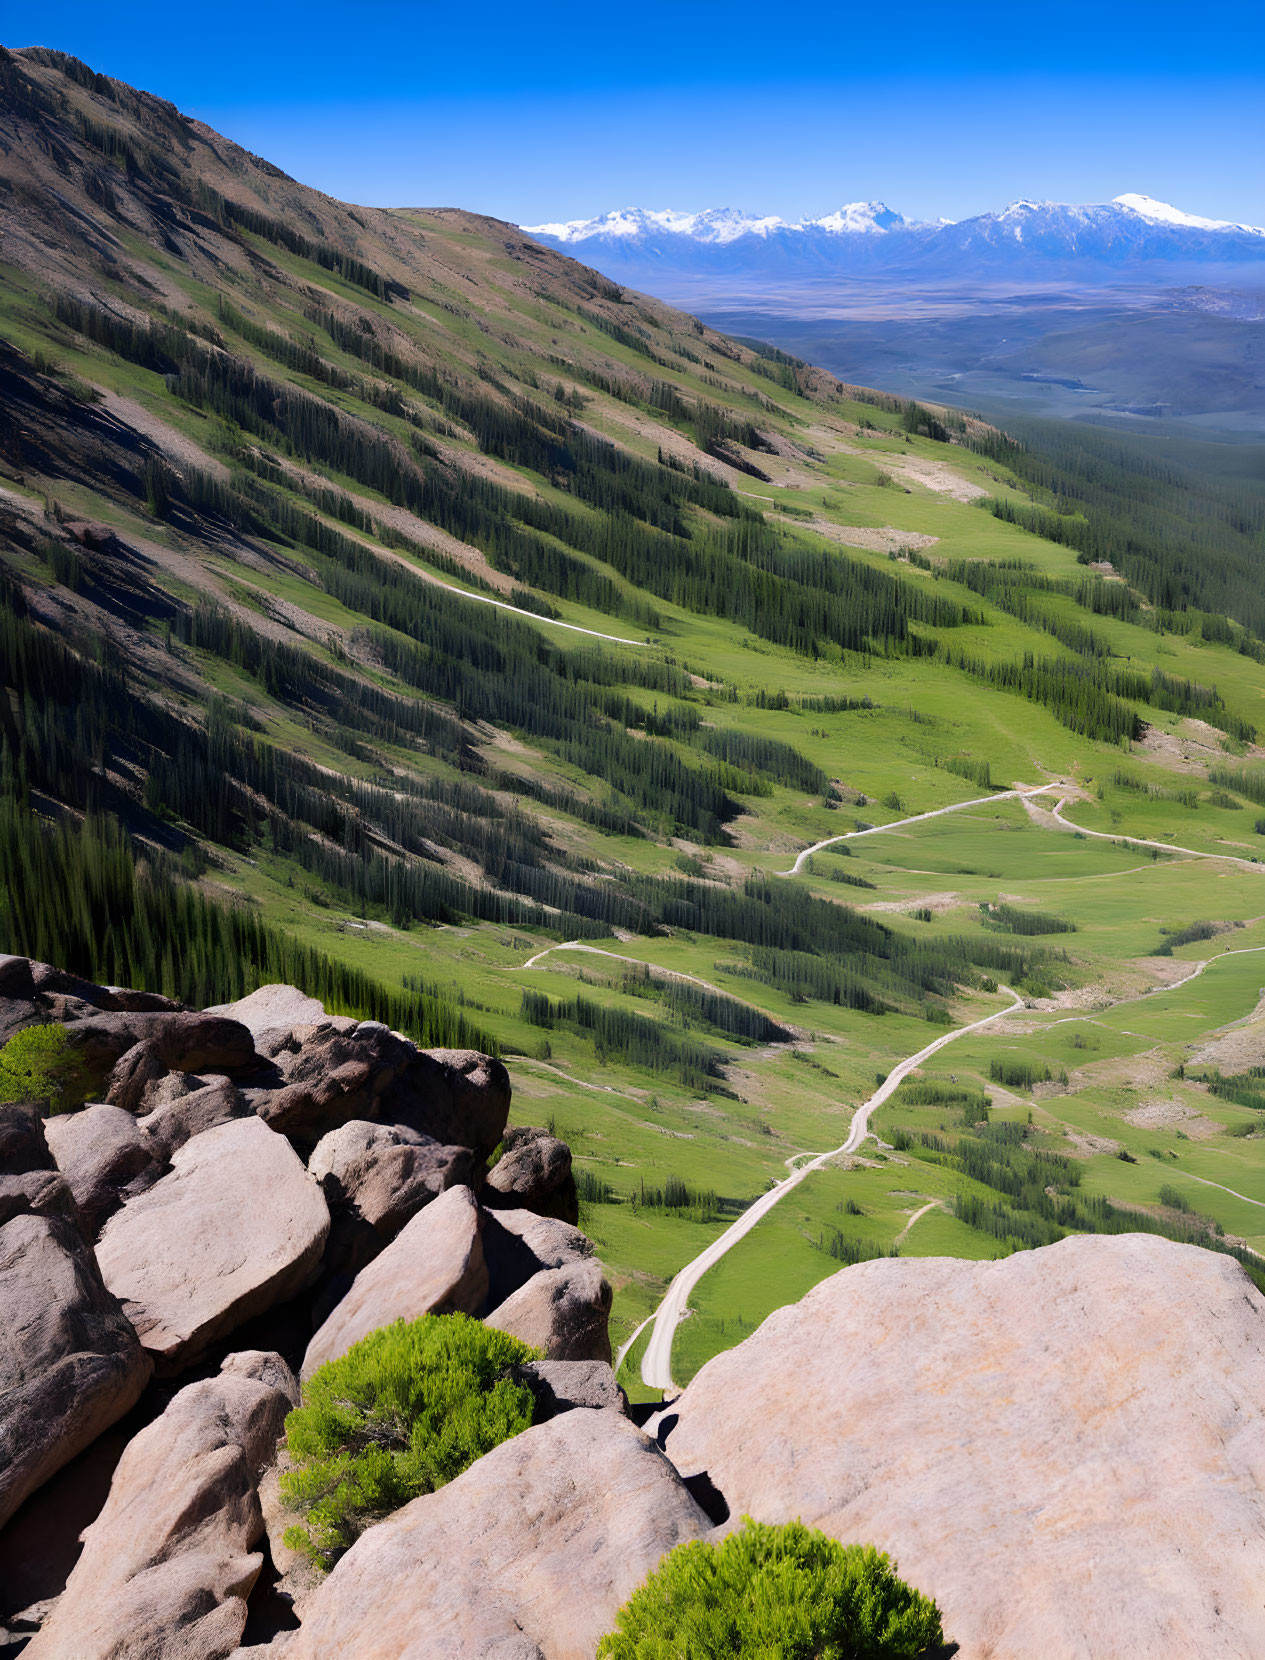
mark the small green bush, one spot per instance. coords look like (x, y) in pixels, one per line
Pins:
(786, 1591)
(403, 1412)
(38, 1064)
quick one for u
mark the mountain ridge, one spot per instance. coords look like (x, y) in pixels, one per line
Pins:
(1131, 232)
(273, 464)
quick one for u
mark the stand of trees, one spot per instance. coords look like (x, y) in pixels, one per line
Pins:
(83, 897)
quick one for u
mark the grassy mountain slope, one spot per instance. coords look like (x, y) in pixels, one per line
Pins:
(395, 605)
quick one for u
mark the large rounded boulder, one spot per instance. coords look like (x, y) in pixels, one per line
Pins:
(1064, 1448)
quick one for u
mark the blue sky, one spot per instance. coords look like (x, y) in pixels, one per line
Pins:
(564, 110)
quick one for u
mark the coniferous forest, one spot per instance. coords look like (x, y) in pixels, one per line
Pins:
(395, 607)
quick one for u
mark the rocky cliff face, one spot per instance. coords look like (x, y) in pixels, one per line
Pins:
(1065, 1448)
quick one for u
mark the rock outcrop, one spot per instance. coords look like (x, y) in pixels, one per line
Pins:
(563, 1311)
(168, 1564)
(376, 1177)
(237, 1227)
(70, 1363)
(534, 1173)
(1065, 1448)
(434, 1266)
(527, 1556)
(132, 1536)
(455, 1096)
(105, 1158)
(565, 1385)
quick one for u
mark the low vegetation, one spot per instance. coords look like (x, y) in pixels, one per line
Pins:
(787, 1591)
(403, 1412)
(38, 1065)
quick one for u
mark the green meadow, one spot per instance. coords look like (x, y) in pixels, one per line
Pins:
(435, 794)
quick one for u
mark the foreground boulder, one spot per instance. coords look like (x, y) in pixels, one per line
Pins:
(568, 1385)
(105, 1159)
(23, 1140)
(330, 1075)
(563, 1311)
(237, 1227)
(376, 1177)
(168, 1564)
(70, 1364)
(534, 1173)
(1065, 1448)
(527, 1556)
(126, 1051)
(273, 1008)
(184, 1106)
(517, 1244)
(435, 1266)
(30, 1183)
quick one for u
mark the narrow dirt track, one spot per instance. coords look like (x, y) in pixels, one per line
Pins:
(618, 957)
(656, 1363)
(1142, 841)
(920, 818)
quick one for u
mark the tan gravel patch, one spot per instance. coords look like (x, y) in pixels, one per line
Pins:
(1239, 1046)
(937, 903)
(884, 539)
(934, 475)
(176, 445)
(1172, 1115)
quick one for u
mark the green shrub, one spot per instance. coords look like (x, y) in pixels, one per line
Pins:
(37, 1064)
(786, 1591)
(403, 1412)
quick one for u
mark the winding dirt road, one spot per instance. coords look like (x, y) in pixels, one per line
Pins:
(921, 818)
(1142, 841)
(656, 1363)
(618, 957)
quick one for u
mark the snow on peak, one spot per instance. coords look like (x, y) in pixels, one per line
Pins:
(712, 225)
(618, 222)
(720, 225)
(855, 218)
(723, 226)
(1163, 213)
(728, 224)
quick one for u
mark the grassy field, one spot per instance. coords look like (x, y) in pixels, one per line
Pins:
(489, 353)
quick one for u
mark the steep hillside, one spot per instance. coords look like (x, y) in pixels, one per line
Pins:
(395, 606)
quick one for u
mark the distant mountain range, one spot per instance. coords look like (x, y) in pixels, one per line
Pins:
(1132, 234)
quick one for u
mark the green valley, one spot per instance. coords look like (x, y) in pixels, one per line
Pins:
(392, 605)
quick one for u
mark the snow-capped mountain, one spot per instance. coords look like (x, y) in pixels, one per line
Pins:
(714, 225)
(1133, 233)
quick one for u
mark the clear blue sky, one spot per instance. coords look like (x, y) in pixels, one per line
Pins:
(561, 110)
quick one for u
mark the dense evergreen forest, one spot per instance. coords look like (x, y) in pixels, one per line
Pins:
(1181, 520)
